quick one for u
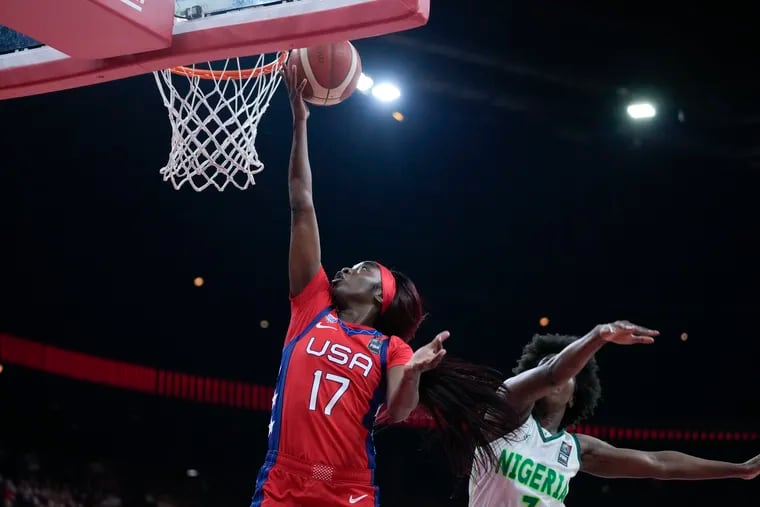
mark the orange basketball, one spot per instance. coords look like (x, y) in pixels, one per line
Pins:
(332, 72)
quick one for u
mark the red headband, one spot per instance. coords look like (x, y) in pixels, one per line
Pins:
(388, 284)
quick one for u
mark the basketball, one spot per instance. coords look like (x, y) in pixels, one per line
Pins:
(331, 70)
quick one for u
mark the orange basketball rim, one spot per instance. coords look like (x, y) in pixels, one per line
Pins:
(254, 72)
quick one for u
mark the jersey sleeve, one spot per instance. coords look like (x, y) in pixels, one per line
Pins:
(312, 300)
(399, 352)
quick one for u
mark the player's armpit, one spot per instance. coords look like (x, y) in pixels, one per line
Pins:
(521, 391)
(604, 460)
(313, 300)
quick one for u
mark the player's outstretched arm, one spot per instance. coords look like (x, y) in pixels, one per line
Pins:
(523, 390)
(604, 460)
(305, 255)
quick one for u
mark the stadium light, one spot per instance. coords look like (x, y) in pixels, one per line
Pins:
(191, 472)
(641, 111)
(365, 83)
(386, 92)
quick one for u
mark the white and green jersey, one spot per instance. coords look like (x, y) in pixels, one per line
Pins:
(534, 469)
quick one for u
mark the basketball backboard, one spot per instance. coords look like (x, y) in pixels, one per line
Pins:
(95, 41)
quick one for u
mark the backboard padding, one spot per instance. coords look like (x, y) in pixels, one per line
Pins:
(251, 31)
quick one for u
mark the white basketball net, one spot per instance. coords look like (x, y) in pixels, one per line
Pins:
(214, 125)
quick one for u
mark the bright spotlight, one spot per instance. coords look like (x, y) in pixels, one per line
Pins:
(365, 83)
(641, 111)
(386, 92)
(191, 472)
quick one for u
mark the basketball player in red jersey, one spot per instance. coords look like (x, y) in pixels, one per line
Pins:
(344, 355)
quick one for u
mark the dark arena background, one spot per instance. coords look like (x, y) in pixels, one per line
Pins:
(141, 327)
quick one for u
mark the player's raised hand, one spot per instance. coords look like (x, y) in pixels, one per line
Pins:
(428, 357)
(753, 468)
(295, 91)
(623, 332)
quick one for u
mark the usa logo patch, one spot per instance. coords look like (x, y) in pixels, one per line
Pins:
(331, 318)
(374, 345)
(564, 453)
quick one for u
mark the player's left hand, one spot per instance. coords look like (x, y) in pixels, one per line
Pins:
(430, 356)
(753, 468)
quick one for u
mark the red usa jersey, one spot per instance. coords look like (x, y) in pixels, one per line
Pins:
(331, 382)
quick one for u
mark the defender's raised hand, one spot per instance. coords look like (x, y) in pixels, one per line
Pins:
(623, 332)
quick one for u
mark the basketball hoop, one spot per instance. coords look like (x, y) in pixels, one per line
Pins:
(215, 120)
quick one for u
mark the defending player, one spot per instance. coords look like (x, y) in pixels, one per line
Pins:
(344, 355)
(555, 386)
